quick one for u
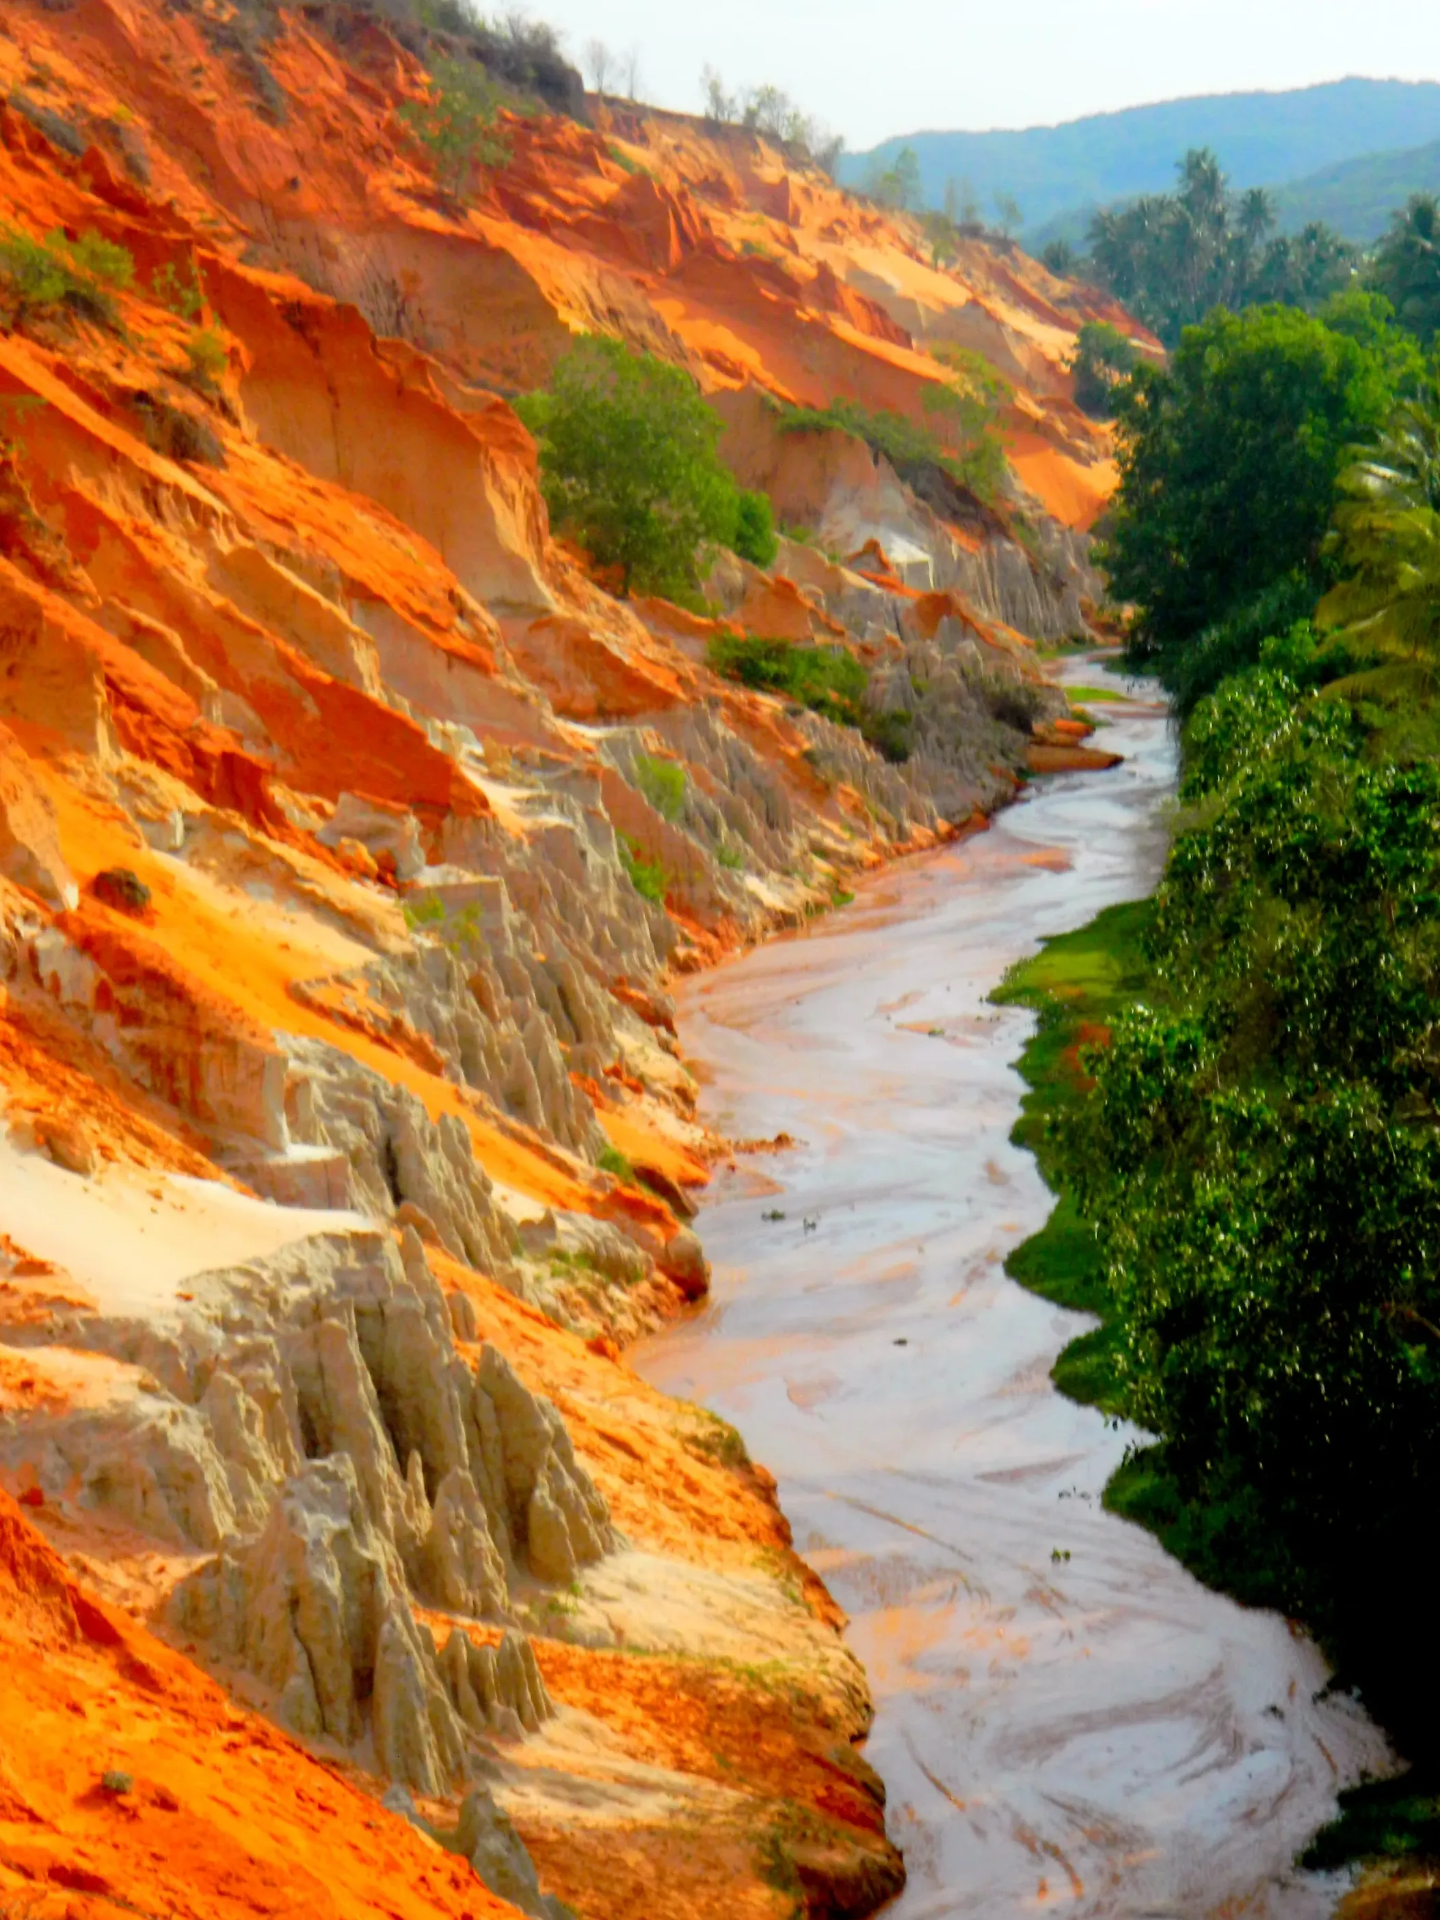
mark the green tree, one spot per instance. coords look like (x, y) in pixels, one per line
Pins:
(1229, 458)
(628, 465)
(1406, 268)
(897, 185)
(1012, 217)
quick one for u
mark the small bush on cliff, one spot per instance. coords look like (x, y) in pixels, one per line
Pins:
(957, 437)
(629, 467)
(83, 275)
(1103, 358)
(456, 124)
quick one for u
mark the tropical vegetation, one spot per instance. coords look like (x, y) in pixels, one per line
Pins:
(1237, 1084)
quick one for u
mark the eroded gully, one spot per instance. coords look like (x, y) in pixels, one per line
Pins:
(1097, 1733)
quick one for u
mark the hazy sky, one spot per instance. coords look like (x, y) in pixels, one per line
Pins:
(870, 69)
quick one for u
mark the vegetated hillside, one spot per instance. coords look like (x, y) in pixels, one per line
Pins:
(350, 834)
(1265, 138)
(1358, 197)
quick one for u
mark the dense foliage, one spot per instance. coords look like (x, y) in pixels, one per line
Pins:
(1230, 455)
(629, 468)
(1251, 1170)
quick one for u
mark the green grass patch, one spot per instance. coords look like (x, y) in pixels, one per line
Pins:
(1076, 985)
(663, 784)
(1091, 695)
(613, 1161)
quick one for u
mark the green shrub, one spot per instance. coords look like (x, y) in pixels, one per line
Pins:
(962, 443)
(456, 124)
(1103, 358)
(663, 784)
(628, 465)
(731, 858)
(83, 275)
(754, 536)
(827, 680)
(892, 733)
(830, 680)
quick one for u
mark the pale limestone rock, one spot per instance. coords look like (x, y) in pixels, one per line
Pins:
(490, 1843)
(553, 1508)
(460, 1566)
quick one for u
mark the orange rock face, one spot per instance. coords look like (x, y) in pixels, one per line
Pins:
(128, 1780)
(350, 835)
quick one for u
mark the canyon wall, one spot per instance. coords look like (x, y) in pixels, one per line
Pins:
(348, 1136)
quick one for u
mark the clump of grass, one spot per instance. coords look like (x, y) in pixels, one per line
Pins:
(82, 275)
(731, 858)
(208, 356)
(613, 1161)
(183, 295)
(719, 1441)
(426, 912)
(1076, 984)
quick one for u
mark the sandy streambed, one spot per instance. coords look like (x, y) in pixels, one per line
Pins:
(1094, 1732)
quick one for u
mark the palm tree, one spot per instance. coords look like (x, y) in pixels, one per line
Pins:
(1387, 535)
(1407, 266)
(1256, 216)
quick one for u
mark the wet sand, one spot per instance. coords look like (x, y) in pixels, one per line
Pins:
(1097, 1733)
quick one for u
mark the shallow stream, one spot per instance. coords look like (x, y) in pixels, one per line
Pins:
(1097, 1732)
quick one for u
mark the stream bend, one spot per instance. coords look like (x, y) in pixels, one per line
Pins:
(1101, 1733)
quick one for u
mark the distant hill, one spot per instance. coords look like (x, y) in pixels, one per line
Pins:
(1263, 140)
(1357, 197)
